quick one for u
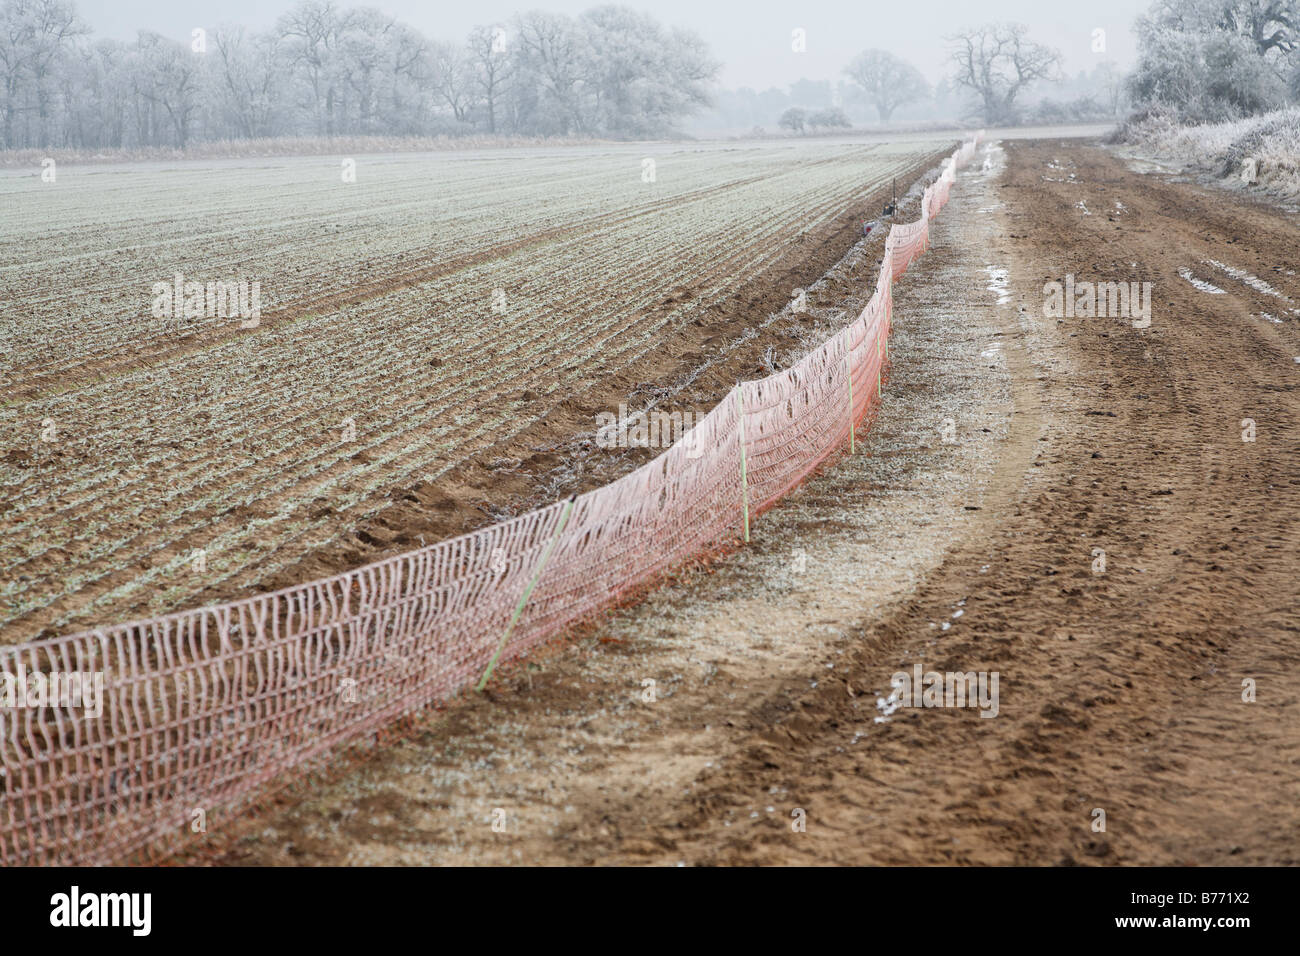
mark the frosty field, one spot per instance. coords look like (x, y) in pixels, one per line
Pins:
(409, 320)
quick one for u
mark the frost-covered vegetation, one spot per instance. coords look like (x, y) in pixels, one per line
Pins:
(1270, 140)
(325, 70)
(1210, 61)
(1217, 89)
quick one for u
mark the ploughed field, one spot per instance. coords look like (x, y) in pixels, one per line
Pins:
(409, 321)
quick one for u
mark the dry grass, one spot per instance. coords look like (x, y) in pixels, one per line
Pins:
(280, 146)
(1219, 148)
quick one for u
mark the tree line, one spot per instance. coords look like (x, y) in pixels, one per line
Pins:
(328, 71)
(1216, 60)
(1199, 61)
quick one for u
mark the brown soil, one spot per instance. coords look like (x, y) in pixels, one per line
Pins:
(693, 366)
(1120, 691)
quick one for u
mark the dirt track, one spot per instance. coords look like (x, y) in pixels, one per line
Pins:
(1120, 690)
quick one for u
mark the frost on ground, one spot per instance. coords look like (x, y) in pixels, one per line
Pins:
(1254, 281)
(998, 281)
(1201, 284)
(1271, 140)
(405, 342)
(635, 712)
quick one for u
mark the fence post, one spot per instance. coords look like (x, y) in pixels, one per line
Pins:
(528, 592)
(848, 368)
(889, 309)
(744, 477)
(879, 360)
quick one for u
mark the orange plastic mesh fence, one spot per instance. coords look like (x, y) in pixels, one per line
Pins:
(201, 709)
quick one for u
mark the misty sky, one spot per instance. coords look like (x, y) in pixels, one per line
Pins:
(751, 38)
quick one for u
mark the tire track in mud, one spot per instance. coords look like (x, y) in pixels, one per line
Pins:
(1120, 691)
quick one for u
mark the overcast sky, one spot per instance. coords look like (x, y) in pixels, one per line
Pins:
(752, 38)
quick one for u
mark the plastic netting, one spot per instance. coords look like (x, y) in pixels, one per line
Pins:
(203, 709)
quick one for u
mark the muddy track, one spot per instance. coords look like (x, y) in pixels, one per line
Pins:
(1121, 691)
(1121, 688)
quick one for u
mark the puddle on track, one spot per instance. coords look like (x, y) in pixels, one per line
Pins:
(999, 279)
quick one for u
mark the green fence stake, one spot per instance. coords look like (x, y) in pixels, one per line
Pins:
(528, 592)
(878, 362)
(849, 366)
(744, 476)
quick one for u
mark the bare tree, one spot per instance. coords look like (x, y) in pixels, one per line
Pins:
(551, 59)
(888, 81)
(1270, 24)
(167, 76)
(311, 31)
(453, 79)
(491, 68)
(55, 23)
(1111, 81)
(363, 48)
(1202, 74)
(794, 119)
(830, 118)
(15, 52)
(326, 70)
(35, 37)
(249, 70)
(997, 61)
(639, 76)
(409, 78)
